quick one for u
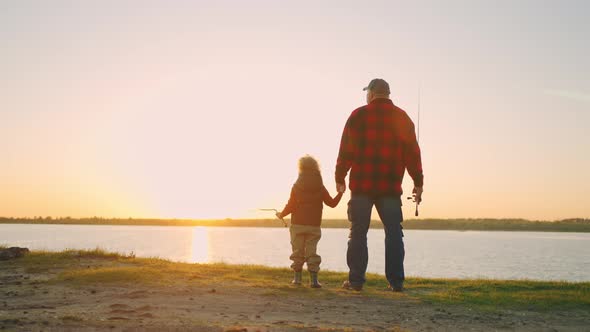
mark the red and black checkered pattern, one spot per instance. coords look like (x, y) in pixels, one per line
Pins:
(378, 144)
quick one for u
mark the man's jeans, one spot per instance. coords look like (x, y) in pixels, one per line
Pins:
(359, 215)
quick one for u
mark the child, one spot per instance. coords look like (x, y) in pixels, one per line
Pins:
(306, 204)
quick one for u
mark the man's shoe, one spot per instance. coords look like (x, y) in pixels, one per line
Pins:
(347, 285)
(296, 278)
(397, 287)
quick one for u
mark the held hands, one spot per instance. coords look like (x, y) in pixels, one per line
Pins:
(341, 187)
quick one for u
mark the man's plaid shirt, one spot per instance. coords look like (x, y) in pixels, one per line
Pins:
(379, 144)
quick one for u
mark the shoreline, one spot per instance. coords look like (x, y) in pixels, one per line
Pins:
(511, 225)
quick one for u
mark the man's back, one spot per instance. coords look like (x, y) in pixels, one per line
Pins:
(378, 144)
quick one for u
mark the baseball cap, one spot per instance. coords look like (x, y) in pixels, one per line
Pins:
(378, 85)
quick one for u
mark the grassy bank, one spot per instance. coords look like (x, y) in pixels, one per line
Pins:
(96, 267)
(566, 225)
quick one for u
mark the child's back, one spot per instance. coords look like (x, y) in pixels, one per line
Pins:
(308, 191)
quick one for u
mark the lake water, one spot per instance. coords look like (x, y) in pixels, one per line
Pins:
(446, 254)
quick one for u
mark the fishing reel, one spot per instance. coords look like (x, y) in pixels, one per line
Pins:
(413, 198)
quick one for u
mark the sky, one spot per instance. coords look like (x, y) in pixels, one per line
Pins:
(201, 109)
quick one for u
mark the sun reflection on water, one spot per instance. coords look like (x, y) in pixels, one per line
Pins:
(200, 245)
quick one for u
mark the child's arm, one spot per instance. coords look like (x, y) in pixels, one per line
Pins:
(289, 207)
(331, 202)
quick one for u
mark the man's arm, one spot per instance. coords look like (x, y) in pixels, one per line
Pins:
(413, 161)
(345, 154)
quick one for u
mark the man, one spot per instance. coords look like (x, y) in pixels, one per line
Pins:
(378, 144)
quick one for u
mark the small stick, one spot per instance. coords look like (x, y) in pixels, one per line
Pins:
(275, 210)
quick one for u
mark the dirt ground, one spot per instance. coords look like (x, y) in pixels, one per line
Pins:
(29, 303)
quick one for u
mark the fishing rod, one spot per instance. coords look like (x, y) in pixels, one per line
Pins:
(276, 214)
(417, 140)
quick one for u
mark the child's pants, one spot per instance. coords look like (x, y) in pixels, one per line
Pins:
(304, 242)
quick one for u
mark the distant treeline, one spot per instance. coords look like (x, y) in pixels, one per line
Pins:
(565, 225)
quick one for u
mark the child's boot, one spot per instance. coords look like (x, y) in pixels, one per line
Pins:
(296, 278)
(314, 283)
